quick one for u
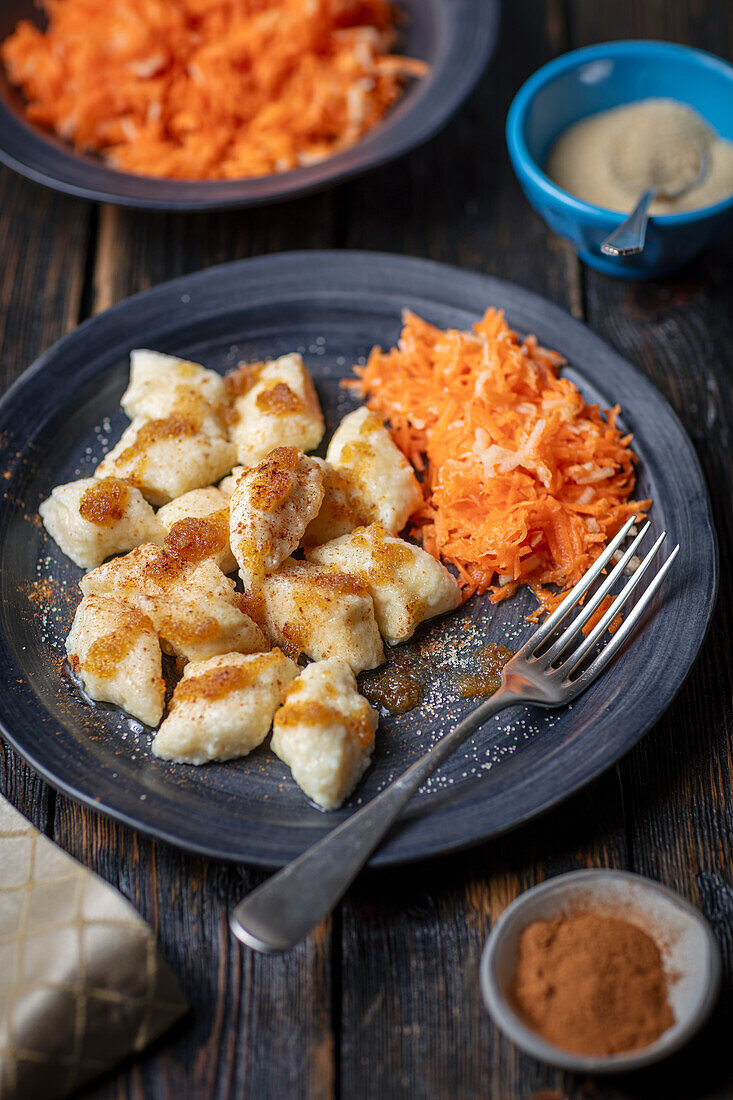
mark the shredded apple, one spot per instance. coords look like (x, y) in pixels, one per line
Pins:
(524, 482)
(209, 89)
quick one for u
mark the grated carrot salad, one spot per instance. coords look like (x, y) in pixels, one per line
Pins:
(209, 89)
(524, 483)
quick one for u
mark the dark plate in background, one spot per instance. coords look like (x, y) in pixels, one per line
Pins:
(333, 306)
(456, 38)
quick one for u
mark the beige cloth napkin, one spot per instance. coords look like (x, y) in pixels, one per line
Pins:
(81, 982)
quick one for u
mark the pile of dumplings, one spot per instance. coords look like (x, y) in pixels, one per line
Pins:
(211, 477)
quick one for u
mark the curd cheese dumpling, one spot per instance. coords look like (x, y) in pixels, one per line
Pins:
(322, 613)
(270, 509)
(201, 515)
(204, 616)
(193, 607)
(114, 652)
(342, 510)
(406, 583)
(223, 707)
(324, 732)
(166, 458)
(147, 567)
(384, 478)
(163, 384)
(229, 484)
(93, 518)
(273, 404)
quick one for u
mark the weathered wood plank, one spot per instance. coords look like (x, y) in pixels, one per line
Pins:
(677, 782)
(43, 245)
(707, 26)
(43, 240)
(138, 249)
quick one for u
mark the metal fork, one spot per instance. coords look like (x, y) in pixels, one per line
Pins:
(548, 671)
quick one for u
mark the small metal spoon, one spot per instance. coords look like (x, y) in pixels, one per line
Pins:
(629, 238)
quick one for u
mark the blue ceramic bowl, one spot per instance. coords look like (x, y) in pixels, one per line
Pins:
(594, 79)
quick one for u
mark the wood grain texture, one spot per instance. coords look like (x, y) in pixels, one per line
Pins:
(137, 249)
(43, 239)
(383, 1000)
(677, 782)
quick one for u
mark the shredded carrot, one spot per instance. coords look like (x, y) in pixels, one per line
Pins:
(598, 615)
(524, 482)
(209, 89)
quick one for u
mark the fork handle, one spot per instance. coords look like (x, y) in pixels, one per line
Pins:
(629, 238)
(284, 909)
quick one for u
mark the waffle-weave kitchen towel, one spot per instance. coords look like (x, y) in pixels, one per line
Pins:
(82, 984)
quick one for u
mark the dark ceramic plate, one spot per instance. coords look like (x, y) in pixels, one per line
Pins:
(456, 38)
(333, 306)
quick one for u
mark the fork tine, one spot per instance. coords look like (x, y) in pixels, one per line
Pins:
(609, 651)
(563, 610)
(602, 625)
(562, 643)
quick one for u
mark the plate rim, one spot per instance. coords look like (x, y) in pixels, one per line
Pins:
(411, 271)
(470, 51)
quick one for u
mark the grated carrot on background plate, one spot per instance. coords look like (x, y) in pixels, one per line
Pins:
(524, 482)
(209, 89)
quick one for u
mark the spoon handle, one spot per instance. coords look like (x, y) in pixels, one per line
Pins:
(629, 238)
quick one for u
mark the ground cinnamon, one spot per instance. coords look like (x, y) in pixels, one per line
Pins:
(591, 983)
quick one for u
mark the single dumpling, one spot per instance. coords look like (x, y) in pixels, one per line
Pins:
(223, 707)
(128, 576)
(166, 458)
(193, 607)
(322, 613)
(273, 404)
(406, 583)
(202, 516)
(343, 507)
(384, 478)
(205, 616)
(270, 509)
(229, 483)
(114, 653)
(324, 732)
(161, 385)
(93, 518)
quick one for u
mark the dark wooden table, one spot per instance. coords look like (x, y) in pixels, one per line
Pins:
(383, 1000)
